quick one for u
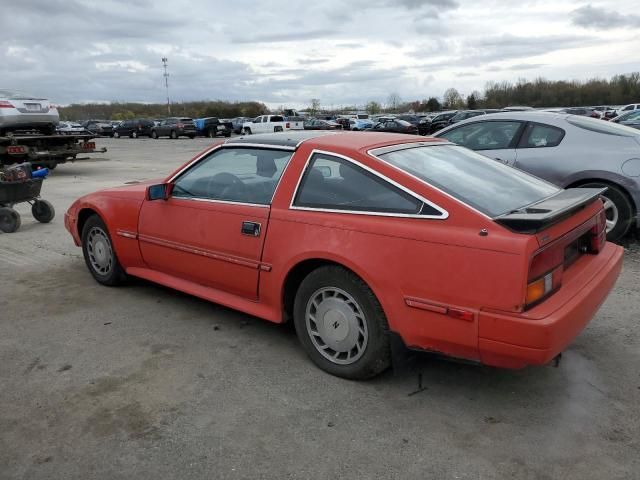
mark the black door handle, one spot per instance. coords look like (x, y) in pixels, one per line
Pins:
(250, 228)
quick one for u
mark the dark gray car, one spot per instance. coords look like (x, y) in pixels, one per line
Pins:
(175, 127)
(567, 150)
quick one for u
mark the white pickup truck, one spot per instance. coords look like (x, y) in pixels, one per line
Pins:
(270, 124)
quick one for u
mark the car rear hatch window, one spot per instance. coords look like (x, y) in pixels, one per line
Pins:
(486, 185)
(606, 128)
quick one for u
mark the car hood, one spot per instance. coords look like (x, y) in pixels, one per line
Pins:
(132, 190)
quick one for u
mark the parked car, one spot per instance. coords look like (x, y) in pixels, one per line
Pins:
(359, 124)
(140, 127)
(175, 127)
(70, 128)
(238, 122)
(99, 127)
(584, 111)
(605, 112)
(464, 114)
(394, 125)
(628, 108)
(420, 122)
(271, 123)
(212, 127)
(517, 108)
(315, 124)
(630, 119)
(22, 111)
(345, 122)
(441, 120)
(566, 150)
(371, 239)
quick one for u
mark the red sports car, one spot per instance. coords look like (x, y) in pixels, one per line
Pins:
(361, 238)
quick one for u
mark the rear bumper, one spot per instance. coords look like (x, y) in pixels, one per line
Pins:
(538, 335)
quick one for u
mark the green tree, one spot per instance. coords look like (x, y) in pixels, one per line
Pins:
(433, 104)
(373, 107)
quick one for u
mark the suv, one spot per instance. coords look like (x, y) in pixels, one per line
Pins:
(134, 128)
(441, 120)
(175, 127)
(99, 127)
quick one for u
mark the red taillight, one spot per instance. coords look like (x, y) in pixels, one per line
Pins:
(287, 125)
(16, 150)
(180, 125)
(545, 274)
(5, 104)
(89, 145)
(598, 233)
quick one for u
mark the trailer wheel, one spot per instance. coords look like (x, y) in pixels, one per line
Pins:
(9, 220)
(43, 211)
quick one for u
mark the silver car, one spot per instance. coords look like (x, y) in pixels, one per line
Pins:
(19, 111)
(567, 150)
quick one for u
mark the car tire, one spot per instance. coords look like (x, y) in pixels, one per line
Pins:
(352, 342)
(43, 211)
(154, 134)
(134, 134)
(617, 208)
(99, 254)
(246, 131)
(192, 137)
(277, 129)
(9, 220)
(173, 135)
(227, 135)
(116, 135)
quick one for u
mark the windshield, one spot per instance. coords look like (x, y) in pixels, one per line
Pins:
(487, 185)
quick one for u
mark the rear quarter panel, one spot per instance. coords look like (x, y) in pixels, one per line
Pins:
(443, 262)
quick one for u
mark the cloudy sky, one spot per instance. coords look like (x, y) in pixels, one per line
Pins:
(285, 53)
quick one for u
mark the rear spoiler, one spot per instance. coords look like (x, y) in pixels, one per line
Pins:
(540, 215)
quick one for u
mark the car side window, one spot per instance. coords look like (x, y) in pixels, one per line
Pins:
(243, 175)
(332, 183)
(489, 135)
(537, 136)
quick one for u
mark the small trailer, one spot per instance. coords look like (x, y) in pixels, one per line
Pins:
(43, 150)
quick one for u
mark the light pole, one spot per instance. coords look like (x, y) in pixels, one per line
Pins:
(166, 83)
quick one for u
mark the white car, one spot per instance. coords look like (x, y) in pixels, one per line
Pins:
(21, 111)
(70, 128)
(628, 108)
(271, 124)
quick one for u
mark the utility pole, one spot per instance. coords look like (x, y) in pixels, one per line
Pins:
(166, 83)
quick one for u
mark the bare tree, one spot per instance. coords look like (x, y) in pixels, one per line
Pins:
(314, 107)
(452, 98)
(393, 102)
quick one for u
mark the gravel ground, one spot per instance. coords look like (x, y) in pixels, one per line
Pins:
(144, 382)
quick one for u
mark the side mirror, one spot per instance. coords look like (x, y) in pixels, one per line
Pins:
(159, 192)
